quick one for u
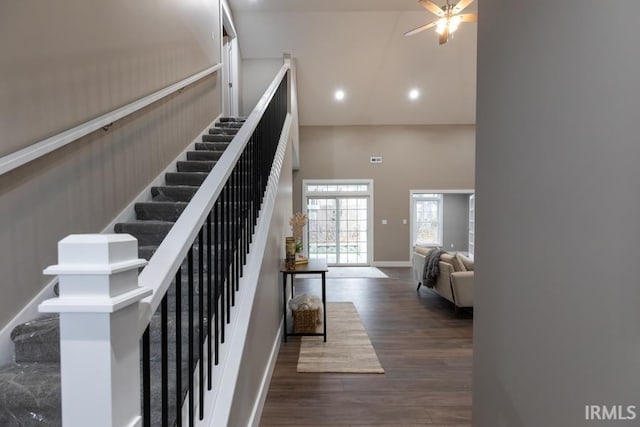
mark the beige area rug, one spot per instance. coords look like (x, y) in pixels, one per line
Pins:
(355, 272)
(348, 348)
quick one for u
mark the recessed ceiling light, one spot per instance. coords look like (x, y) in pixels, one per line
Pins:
(414, 94)
(339, 95)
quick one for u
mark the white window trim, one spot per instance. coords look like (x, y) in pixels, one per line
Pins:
(440, 200)
(330, 194)
(412, 214)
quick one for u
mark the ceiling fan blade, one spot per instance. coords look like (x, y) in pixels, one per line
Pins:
(432, 7)
(468, 17)
(461, 5)
(444, 36)
(420, 29)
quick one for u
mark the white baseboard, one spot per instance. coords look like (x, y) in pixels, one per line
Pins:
(256, 413)
(30, 311)
(392, 264)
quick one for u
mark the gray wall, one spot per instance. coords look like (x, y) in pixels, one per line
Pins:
(414, 157)
(558, 217)
(257, 75)
(65, 62)
(455, 231)
(267, 308)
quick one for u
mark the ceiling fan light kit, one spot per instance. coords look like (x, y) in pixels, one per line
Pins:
(449, 18)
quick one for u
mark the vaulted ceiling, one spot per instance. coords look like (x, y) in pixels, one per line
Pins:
(358, 46)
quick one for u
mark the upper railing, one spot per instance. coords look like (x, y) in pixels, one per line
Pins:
(193, 298)
(39, 149)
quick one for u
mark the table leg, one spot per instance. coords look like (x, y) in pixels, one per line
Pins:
(284, 304)
(324, 306)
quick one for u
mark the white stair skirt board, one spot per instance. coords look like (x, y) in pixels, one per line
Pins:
(356, 272)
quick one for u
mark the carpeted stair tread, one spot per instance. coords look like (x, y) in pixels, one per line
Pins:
(146, 252)
(211, 146)
(223, 131)
(30, 395)
(196, 165)
(185, 178)
(238, 119)
(148, 233)
(161, 211)
(236, 125)
(175, 193)
(217, 138)
(203, 155)
(37, 340)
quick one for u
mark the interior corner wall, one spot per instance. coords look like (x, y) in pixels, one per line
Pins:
(257, 75)
(64, 63)
(557, 296)
(266, 314)
(414, 158)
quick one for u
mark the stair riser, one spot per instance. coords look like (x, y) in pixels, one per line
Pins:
(204, 155)
(173, 194)
(229, 125)
(194, 179)
(217, 138)
(147, 234)
(223, 131)
(159, 211)
(195, 166)
(232, 119)
(211, 146)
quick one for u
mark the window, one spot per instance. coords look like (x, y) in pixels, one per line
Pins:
(426, 219)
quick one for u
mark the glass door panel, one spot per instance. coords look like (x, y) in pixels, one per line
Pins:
(338, 230)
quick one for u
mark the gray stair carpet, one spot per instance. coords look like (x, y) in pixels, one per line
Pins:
(30, 387)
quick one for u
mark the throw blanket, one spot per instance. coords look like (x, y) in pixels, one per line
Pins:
(431, 268)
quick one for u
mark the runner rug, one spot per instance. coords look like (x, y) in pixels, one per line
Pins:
(348, 348)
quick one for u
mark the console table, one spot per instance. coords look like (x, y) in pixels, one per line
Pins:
(315, 266)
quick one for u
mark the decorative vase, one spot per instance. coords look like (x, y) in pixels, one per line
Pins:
(290, 253)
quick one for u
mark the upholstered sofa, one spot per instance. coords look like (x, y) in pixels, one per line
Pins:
(455, 281)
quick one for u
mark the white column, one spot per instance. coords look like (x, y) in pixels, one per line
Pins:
(99, 342)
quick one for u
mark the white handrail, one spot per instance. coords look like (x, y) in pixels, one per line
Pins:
(166, 260)
(39, 149)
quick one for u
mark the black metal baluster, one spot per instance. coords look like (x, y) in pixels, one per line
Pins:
(236, 240)
(146, 379)
(164, 343)
(201, 318)
(210, 323)
(227, 257)
(223, 259)
(190, 323)
(236, 186)
(232, 232)
(218, 326)
(245, 205)
(178, 314)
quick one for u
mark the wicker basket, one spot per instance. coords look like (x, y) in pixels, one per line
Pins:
(305, 319)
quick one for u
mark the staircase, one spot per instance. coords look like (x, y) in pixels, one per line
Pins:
(30, 387)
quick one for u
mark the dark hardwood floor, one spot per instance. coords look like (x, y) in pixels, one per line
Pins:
(423, 345)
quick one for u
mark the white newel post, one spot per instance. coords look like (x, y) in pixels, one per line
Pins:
(99, 341)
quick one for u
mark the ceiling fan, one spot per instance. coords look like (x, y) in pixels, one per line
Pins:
(449, 18)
